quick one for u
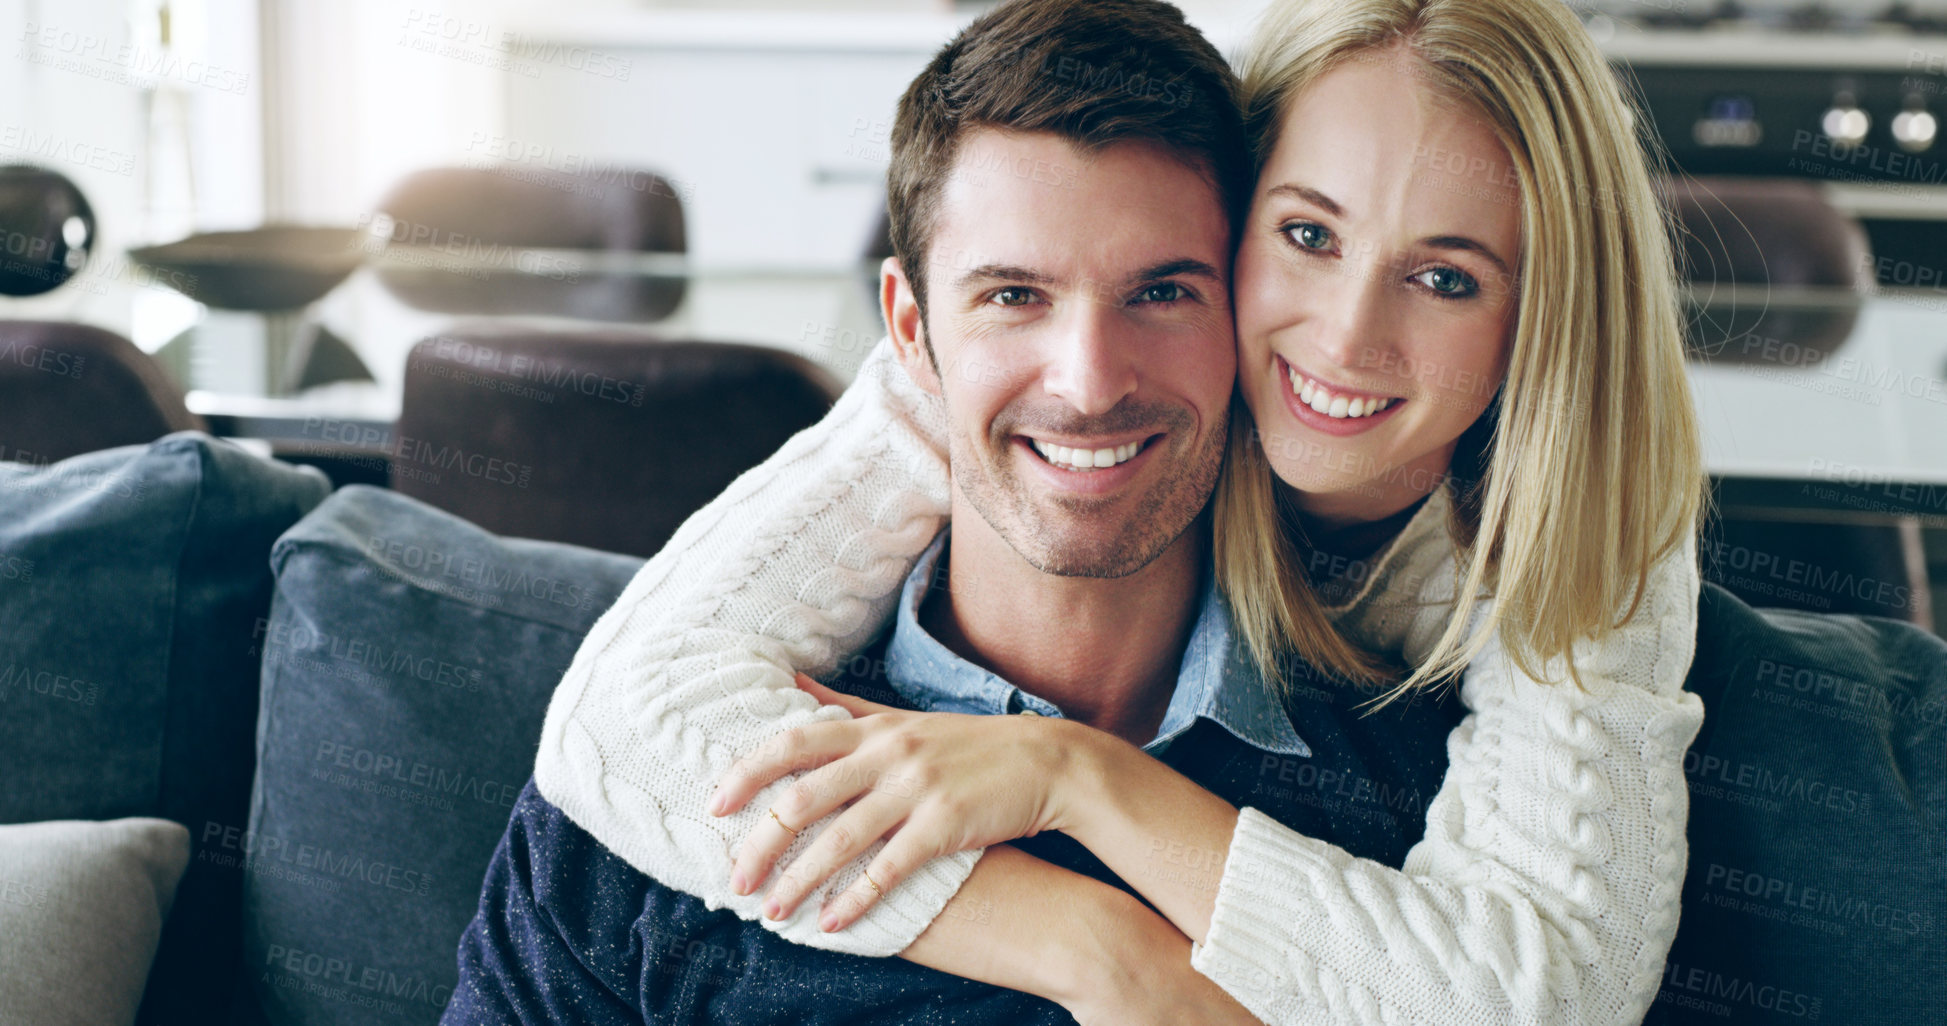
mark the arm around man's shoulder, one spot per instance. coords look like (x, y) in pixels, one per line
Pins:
(794, 567)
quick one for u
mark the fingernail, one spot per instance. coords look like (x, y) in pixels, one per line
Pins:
(772, 910)
(737, 882)
(828, 922)
(715, 807)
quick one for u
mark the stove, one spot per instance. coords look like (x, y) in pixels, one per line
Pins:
(1850, 95)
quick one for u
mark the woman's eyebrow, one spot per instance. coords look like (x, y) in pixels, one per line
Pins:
(1327, 204)
(1464, 243)
(1310, 195)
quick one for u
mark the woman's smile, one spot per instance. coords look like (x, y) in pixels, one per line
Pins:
(1335, 410)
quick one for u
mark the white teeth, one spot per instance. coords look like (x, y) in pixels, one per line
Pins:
(1320, 398)
(1085, 459)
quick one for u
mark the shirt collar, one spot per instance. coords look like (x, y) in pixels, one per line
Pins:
(1217, 681)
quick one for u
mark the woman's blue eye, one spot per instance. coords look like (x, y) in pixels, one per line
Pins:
(1014, 296)
(1311, 236)
(1448, 281)
(1164, 292)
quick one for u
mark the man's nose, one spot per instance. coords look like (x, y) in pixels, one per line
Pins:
(1092, 366)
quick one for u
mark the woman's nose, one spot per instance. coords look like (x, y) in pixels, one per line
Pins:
(1354, 329)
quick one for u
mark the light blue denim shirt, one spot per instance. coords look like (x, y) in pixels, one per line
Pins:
(1216, 681)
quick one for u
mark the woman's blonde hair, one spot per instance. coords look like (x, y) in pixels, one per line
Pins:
(1589, 465)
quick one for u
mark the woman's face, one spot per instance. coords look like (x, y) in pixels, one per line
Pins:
(1375, 287)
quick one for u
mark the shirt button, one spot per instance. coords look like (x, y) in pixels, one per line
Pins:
(1029, 712)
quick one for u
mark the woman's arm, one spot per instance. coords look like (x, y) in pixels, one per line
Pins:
(934, 783)
(1546, 888)
(795, 565)
(1022, 923)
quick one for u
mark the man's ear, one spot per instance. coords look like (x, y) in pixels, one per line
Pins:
(906, 326)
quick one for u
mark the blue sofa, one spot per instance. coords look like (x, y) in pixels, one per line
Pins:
(339, 694)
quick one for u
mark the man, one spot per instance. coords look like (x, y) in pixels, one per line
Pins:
(1062, 284)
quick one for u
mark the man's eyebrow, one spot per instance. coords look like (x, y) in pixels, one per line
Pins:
(1002, 272)
(1182, 266)
(1312, 196)
(1463, 242)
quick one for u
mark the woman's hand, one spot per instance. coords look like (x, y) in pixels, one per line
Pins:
(933, 783)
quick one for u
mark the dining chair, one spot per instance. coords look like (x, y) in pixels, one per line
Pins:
(1744, 244)
(467, 240)
(1758, 242)
(603, 438)
(68, 388)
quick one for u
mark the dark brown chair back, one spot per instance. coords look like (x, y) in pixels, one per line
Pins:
(66, 389)
(1769, 234)
(603, 439)
(1778, 235)
(1767, 231)
(488, 212)
(620, 209)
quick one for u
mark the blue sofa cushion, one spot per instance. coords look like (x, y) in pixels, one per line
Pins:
(1817, 887)
(132, 582)
(407, 665)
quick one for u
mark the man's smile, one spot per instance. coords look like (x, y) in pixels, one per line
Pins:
(1089, 454)
(1096, 467)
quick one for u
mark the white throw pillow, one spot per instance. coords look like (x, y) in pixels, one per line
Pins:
(81, 909)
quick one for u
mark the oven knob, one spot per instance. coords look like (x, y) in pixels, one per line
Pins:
(1845, 123)
(1915, 127)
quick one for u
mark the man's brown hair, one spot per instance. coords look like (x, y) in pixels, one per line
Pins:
(1094, 72)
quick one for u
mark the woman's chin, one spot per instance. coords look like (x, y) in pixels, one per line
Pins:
(1345, 482)
(1315, 479)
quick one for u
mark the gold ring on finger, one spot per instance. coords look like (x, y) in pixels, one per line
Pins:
(782, 823)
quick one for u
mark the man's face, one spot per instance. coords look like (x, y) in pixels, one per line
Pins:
(1078, 308)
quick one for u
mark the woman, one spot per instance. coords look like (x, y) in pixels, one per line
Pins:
(1460, 350)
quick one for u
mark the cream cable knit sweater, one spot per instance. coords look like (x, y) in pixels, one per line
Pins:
(1545, 889)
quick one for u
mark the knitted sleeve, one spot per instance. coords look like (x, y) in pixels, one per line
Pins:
(1546, 887)
(795, 566)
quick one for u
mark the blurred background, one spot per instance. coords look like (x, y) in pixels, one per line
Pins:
(340, 231)
(560, 270)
